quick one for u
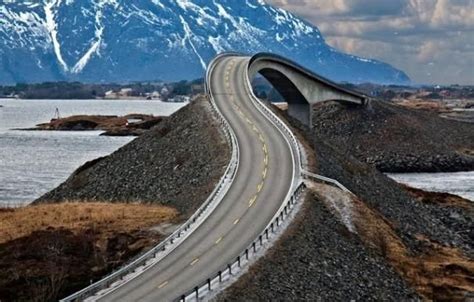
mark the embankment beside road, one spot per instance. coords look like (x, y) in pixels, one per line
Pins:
(124, 204)
(403, 246)
(177, 163)
(396, 139)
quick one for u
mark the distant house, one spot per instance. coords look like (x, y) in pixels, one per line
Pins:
(165, 91)
(179, 99)
(110, 94)
(155, 95)
(126, 92)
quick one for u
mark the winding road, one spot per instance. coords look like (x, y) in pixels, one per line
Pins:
(265, 175)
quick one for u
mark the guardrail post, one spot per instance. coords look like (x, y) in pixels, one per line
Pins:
(229, 266)
(272, 228)
(238, 261)
(247, 254)
(220, 276)
(286, 210)
(196, 290)
(209, 284)
(278, 220)
(255, 246)
(183, 298)
(266, 233)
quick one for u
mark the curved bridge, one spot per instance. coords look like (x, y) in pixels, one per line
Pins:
(300, 87)
(260, 187)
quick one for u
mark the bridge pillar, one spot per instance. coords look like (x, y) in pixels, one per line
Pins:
(301, 112)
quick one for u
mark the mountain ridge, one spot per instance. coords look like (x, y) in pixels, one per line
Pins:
(120, 41)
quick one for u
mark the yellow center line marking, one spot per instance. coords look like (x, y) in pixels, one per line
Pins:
(264, 173)
(259, 187)
(255, 129)
(218, 240)
(265, 148)
(260, 136)
(252, 201)
(237, 221)
(265, 160)
(194, 261)
(163, 284)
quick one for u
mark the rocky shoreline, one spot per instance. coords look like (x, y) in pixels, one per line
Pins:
(178, 162)
(112, 125)
(175, 164)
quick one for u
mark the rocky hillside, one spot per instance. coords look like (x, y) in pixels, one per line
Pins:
(393, 244)
(177, 163)
(142, 40)
(396, 139)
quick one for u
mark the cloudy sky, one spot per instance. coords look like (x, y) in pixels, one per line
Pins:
(431, 40)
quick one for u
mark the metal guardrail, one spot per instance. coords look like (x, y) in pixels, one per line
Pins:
(161, 250)
(290, 201)
(227, 271)
(324, 179)
(137, 266)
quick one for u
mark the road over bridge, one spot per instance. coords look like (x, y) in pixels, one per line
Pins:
(267, 175)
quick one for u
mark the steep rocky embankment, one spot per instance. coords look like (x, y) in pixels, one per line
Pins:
(396, 139)
(177, 163)
(111, 209)
(397, 244)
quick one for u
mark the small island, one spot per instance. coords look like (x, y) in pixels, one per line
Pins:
(113, 125)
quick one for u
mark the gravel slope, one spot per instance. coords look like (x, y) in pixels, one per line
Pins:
(318, 259)
(177, 163)
(396, 139)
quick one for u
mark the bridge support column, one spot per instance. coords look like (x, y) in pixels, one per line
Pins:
(301, 112)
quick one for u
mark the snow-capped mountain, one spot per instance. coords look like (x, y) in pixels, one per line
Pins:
(124, 40)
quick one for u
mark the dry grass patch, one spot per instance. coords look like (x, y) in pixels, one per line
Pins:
(77, 216)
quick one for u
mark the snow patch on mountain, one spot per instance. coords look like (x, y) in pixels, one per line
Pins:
(121, 40)
(52, 26)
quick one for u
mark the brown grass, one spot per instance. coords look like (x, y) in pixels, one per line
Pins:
(439, 198)
(76, 216)
(437, 273)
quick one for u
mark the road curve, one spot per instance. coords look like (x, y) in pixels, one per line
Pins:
(265, 174)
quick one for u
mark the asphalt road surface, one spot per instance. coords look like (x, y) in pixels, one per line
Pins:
(264, 177)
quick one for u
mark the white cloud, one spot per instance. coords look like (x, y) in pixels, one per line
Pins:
(425, 38)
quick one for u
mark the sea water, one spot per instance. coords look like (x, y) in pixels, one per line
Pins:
(34, 162)
(458, 183)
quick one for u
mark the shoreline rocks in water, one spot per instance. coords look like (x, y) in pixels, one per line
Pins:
(128, 125)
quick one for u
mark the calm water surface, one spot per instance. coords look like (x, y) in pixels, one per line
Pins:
(34, 162)
(459, 183)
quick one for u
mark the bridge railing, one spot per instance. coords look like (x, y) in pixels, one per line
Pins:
(249, 253)
(245, 257)
(148, 259)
